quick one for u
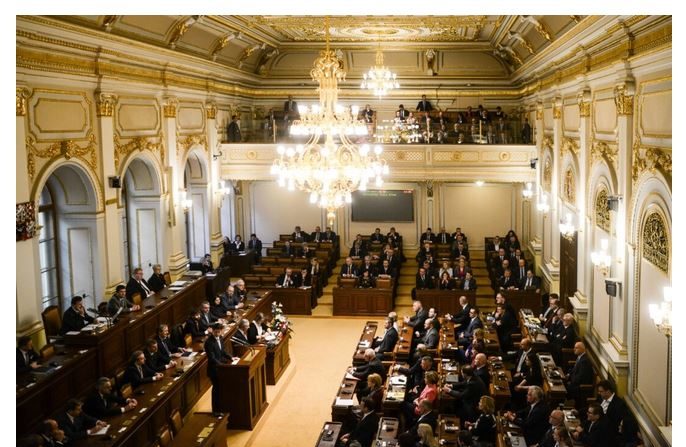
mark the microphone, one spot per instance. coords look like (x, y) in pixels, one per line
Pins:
(243, 343)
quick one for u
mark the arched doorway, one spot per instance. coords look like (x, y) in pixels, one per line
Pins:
(142, 236)
(196, 183)
(68, 249)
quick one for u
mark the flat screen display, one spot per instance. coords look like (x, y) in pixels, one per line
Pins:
(383, 206)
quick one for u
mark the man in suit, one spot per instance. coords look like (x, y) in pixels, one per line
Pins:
(215, 356)
(75, 318)
(329, 235)
(167, 349)
(206, 317)
(393, 237)
(299, 236)
(458, 236)
(443, 237)
(376, 236)
(507, 282)
(461, 251)
(358, 250)
(241, 335)
(27, 358)
(288, 249)
(467, 393)
(420, 315)
(367, 266)
(422, 282)
(613, 406)
(496, 245)
(497, 262)
(373, 366)
(153, 359)
(595, 432)
(520, 369)
(103, 402)
(415, 374)
(287, 279)
(77, 424)
(426, 252)
(530, 282)
(469, 282)
(386, 269)
(546, 316)
(365, 430)
(427, 236)
(349, 270)
(424, 105)
(481, 369)
(392, 258)
(402, 113)
(52, 435)
(430, 337)
(238, 245)
(119, 301)
(386, 343)
(580, 374)
(465, 336)
(556, 419)
(234, 130)
(317, 235)
(461, 318)
(138, 373)
(520, 269)
(533, 419)
(156, 280)
(291, 108)
(306, 252)
(138, 285)
(565, 337)
(426, 416)
(255, 244)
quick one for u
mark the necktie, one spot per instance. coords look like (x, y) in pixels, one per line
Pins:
(26, 355)
(521, 272)
(444, 238)
(164, 345)
(147, 291)
(285, 281)
(528, 282)
(466, 284)
(140, 371)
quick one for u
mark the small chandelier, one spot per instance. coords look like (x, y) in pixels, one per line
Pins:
(662, 314)
(602, 259)
(379, 79)
(567, 228)
(527, 193)
(329, 166)
(542, 205)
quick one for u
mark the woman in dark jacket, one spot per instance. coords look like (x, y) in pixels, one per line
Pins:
(484, 429)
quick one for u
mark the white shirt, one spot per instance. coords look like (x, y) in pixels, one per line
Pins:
(521, 360)
(606, 403)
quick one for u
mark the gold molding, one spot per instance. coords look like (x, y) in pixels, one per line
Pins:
(170, 107)
(624, 100)
(655, 241)
(189, 141)
(602, 150)
(569, 186)
(104, 104)
(64, 148)
(650, 159)
(602, 213)
(22, 95)
(571, 145)
(211, 111)
(584, 105)
(547, 174)
(121, 150)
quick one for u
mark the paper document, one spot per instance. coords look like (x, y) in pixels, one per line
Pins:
(73, 333)
(350, 376)
(178, 283)
(343, 402)
(398, 380)
(102, 431)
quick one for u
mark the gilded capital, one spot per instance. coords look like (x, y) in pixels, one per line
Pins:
(557, 108)
(169, 107)
(624, 101)
(584, 105)
(211, 111)
(22, 93)
(539, 110)
(104, 104)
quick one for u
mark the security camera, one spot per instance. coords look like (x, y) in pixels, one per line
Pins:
(533, 162)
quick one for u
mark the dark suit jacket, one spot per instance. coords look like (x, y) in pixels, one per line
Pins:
(423, 283)
(133, 287)
(293, 282)
(156, 282)
(360, 251)
(581, 374)
(206, 320)
(597, 435)
(390, 271)
(329, 235)
(484, 375)
(371, 269)
(23, 367)
(289, 250)
(564, 337)
(430, 339)
(238, 335)
(427, 237)
(428, 418)
(252, 333)
(472, 326)
(371, 367)
(166, 348)
(535, 283)
(468, 286)
(154, 361)
(615, 413)
(485, 428)
(462, 317)
(377, 238)
(302, 237)
(316, 236)
(388, 341)
(448, 285)
(255, 245)
(534, 422)
(215, 356)
(238, 246)
(76, 429)
(468, 394)
(365, 430)
(440, 238)
(349, 270)
(194, 328)
(230, 302)
(102, 406)
(72, 321)
(306, 254)
(418, 319)
(424, 106)
(415, 374)
(135, 378)
(464, 252)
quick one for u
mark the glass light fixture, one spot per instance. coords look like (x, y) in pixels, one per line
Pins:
(661, 314)
(601, 258)
(379, 79)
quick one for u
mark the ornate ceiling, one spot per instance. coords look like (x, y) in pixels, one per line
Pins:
(282, 47)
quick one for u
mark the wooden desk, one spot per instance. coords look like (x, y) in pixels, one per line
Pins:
(499, 387)
(508, 435)
(446, 402)
(491, 340)
(444, 301)
(240, 264)
(387, 433)
(366, 341)
(278, 359)
(447, 345)
(217, 282)
(202, 430)
(531, 329)
(333, 429)
(243, 389)
(523, 299)
(447, 428)
(296, 301)
(346, 391)
(393, 394)
(39, 395)
(553, 385)
(402, 347)
(140, 426)
(353, 302)
(116, 343)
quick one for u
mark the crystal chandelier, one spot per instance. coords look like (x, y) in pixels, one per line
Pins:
(329, 166)
(661, 314)
(379, 79)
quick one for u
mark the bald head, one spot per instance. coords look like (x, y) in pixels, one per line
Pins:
(480, 359)
(579, 348)
(525, 344)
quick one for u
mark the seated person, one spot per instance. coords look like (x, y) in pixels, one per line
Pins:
(27, 358)
(156, 280)
(533, 419)
(366, 281)
(422, 282)
(238, 245)
(365, 430)
(206, 265)
(367, 266)
(138, 373)
(231, 299)
(240, 290)
(75, 318)
(104, 403)
(484, 429)
(306, 252)
(465, 336)
(329, 236)
(386, 271)
(138, 285)
(119, 301)
(530, 282)
(167, 348)
(257, 330)
(305, 278)
(348, 270)
(192, 325)
(507, 282)
(207, 318)
(218, 310)
(240, 337)
(153, 359)
(469, 283)
(460, 251)
(519, 271)
(358, 250)
(317, 236)
(530, 376)
(425, 253)
(427, 237)
(51, 435)
(77, 424)
(445, 267)
(446, 282)
(376, 236)
(299, 236)
(288, 249)
(595, 431)
(443, 237)
(547, 315)
(386, 343)
(467, 394)
(393, 238)
(287, 279)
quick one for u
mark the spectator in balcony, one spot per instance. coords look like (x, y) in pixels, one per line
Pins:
(402, 113)
(234, 130)
(368, 114)
(424, 105)
(526, 132)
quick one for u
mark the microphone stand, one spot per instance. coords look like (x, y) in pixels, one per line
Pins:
(244, 344)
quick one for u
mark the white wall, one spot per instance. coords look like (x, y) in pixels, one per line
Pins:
(599, 299)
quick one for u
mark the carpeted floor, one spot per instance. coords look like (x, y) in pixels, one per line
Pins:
(321, 349)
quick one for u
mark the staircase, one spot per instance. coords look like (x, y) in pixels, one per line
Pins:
(325, 302)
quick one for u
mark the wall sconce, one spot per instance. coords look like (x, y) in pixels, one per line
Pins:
(602, 259)
(528, 193)
(661, 314)
(567, 228)
(223, 189)
(186, 203)
(542, 204)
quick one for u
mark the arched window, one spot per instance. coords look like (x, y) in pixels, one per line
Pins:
(47, 248)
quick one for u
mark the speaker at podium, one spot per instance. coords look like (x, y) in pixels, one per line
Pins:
(243, 388)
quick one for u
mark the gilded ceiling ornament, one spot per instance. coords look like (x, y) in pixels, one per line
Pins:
(108, 21)
(22, 94)
(522, 41)
(181, 28)
(650, 159)
(248, 51)
(569, 186)
(121, 151)
(264, 60)
(547, 175)
(65, 148)
(557, 111)
(104, 104)
(571, 145)
(548, 142)
(170, 107)
(222, 42)
(540, 27)
(655, 241)
(190, 141)
(623, 100)
(211, 111)
(602, 212)
(602, 150)
(576, 19)
(584, 105)
(539, 110)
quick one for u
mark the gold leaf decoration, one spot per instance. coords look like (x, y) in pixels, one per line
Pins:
(655, 242)
(602, 213)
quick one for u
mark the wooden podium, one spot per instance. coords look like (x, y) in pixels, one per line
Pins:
(243, 388)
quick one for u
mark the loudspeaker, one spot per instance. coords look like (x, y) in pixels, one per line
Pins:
(612, 287)
(115, 181)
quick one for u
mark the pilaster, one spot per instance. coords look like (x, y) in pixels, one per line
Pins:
(585, 223)
(215, 159)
